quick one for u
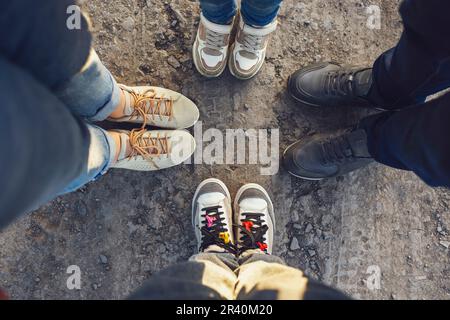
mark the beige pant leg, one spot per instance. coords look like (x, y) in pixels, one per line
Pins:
(265, 278)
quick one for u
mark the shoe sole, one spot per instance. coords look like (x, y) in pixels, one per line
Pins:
(203, 183)
(238, 196)
(234, 73)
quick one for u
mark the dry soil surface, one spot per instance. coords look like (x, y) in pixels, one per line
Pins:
(127, 225)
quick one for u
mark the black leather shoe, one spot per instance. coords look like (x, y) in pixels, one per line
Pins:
(330, 84)
(318, 157)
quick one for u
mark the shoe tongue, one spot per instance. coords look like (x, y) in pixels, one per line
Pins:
(253, 205)
(363, 82)
(214, 248)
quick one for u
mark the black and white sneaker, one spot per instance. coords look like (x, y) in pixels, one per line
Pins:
(254, 219)
(212, 217)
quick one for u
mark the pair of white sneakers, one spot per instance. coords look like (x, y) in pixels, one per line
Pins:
(217, 229)
(212, 46)
(155, 149)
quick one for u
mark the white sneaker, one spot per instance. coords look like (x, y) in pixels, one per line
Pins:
(254, 219)
(212, 217)
(210, 50)
(154, 150)
(158, 107)
(249, 49)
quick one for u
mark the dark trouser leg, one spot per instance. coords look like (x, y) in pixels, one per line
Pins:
(420, 63)
(415, 139)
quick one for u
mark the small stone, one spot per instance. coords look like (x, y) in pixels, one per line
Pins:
(94, 286)
(294, 244)
(445, 244)
(308, 228)
(295, 216)
(173, 62)
(311, 253)
(128, 24)
(103, 259)
(37, 279)
(297, 226)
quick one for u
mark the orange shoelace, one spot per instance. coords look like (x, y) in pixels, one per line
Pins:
(148, 147)
(147, 103)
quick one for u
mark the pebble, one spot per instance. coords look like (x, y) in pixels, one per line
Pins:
(103, 259)
(297, 226)
(308, 228)
(294, 244)
(173, 62)
(128, 24)
(311, 253)
(445, 244)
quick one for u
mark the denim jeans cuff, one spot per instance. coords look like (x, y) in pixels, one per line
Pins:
(111, 105)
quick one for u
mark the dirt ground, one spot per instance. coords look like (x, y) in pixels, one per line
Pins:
(127, 226)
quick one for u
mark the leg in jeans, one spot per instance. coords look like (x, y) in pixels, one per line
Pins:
(50, 151)
(218, 11)
(44, 147)
(420, 63)
(260, 13)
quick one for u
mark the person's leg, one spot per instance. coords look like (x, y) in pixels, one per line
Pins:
(210, 273)
(219, 11)
(418, 66)
(260, 13)
(414, 139)
(44, 147)
(43, 41)
(204, 276)
(262, 276)
(257, 23)
(266, 277)
(210, 49)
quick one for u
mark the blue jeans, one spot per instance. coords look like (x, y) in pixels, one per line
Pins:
(52, 85)
(257, 13)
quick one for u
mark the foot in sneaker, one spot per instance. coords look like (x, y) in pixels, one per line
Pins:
(212, 217)
(249, 49)
(144, 150)
(210, 50)
(254, 218)
(330, 84)
(155, 106)
(320, 156)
